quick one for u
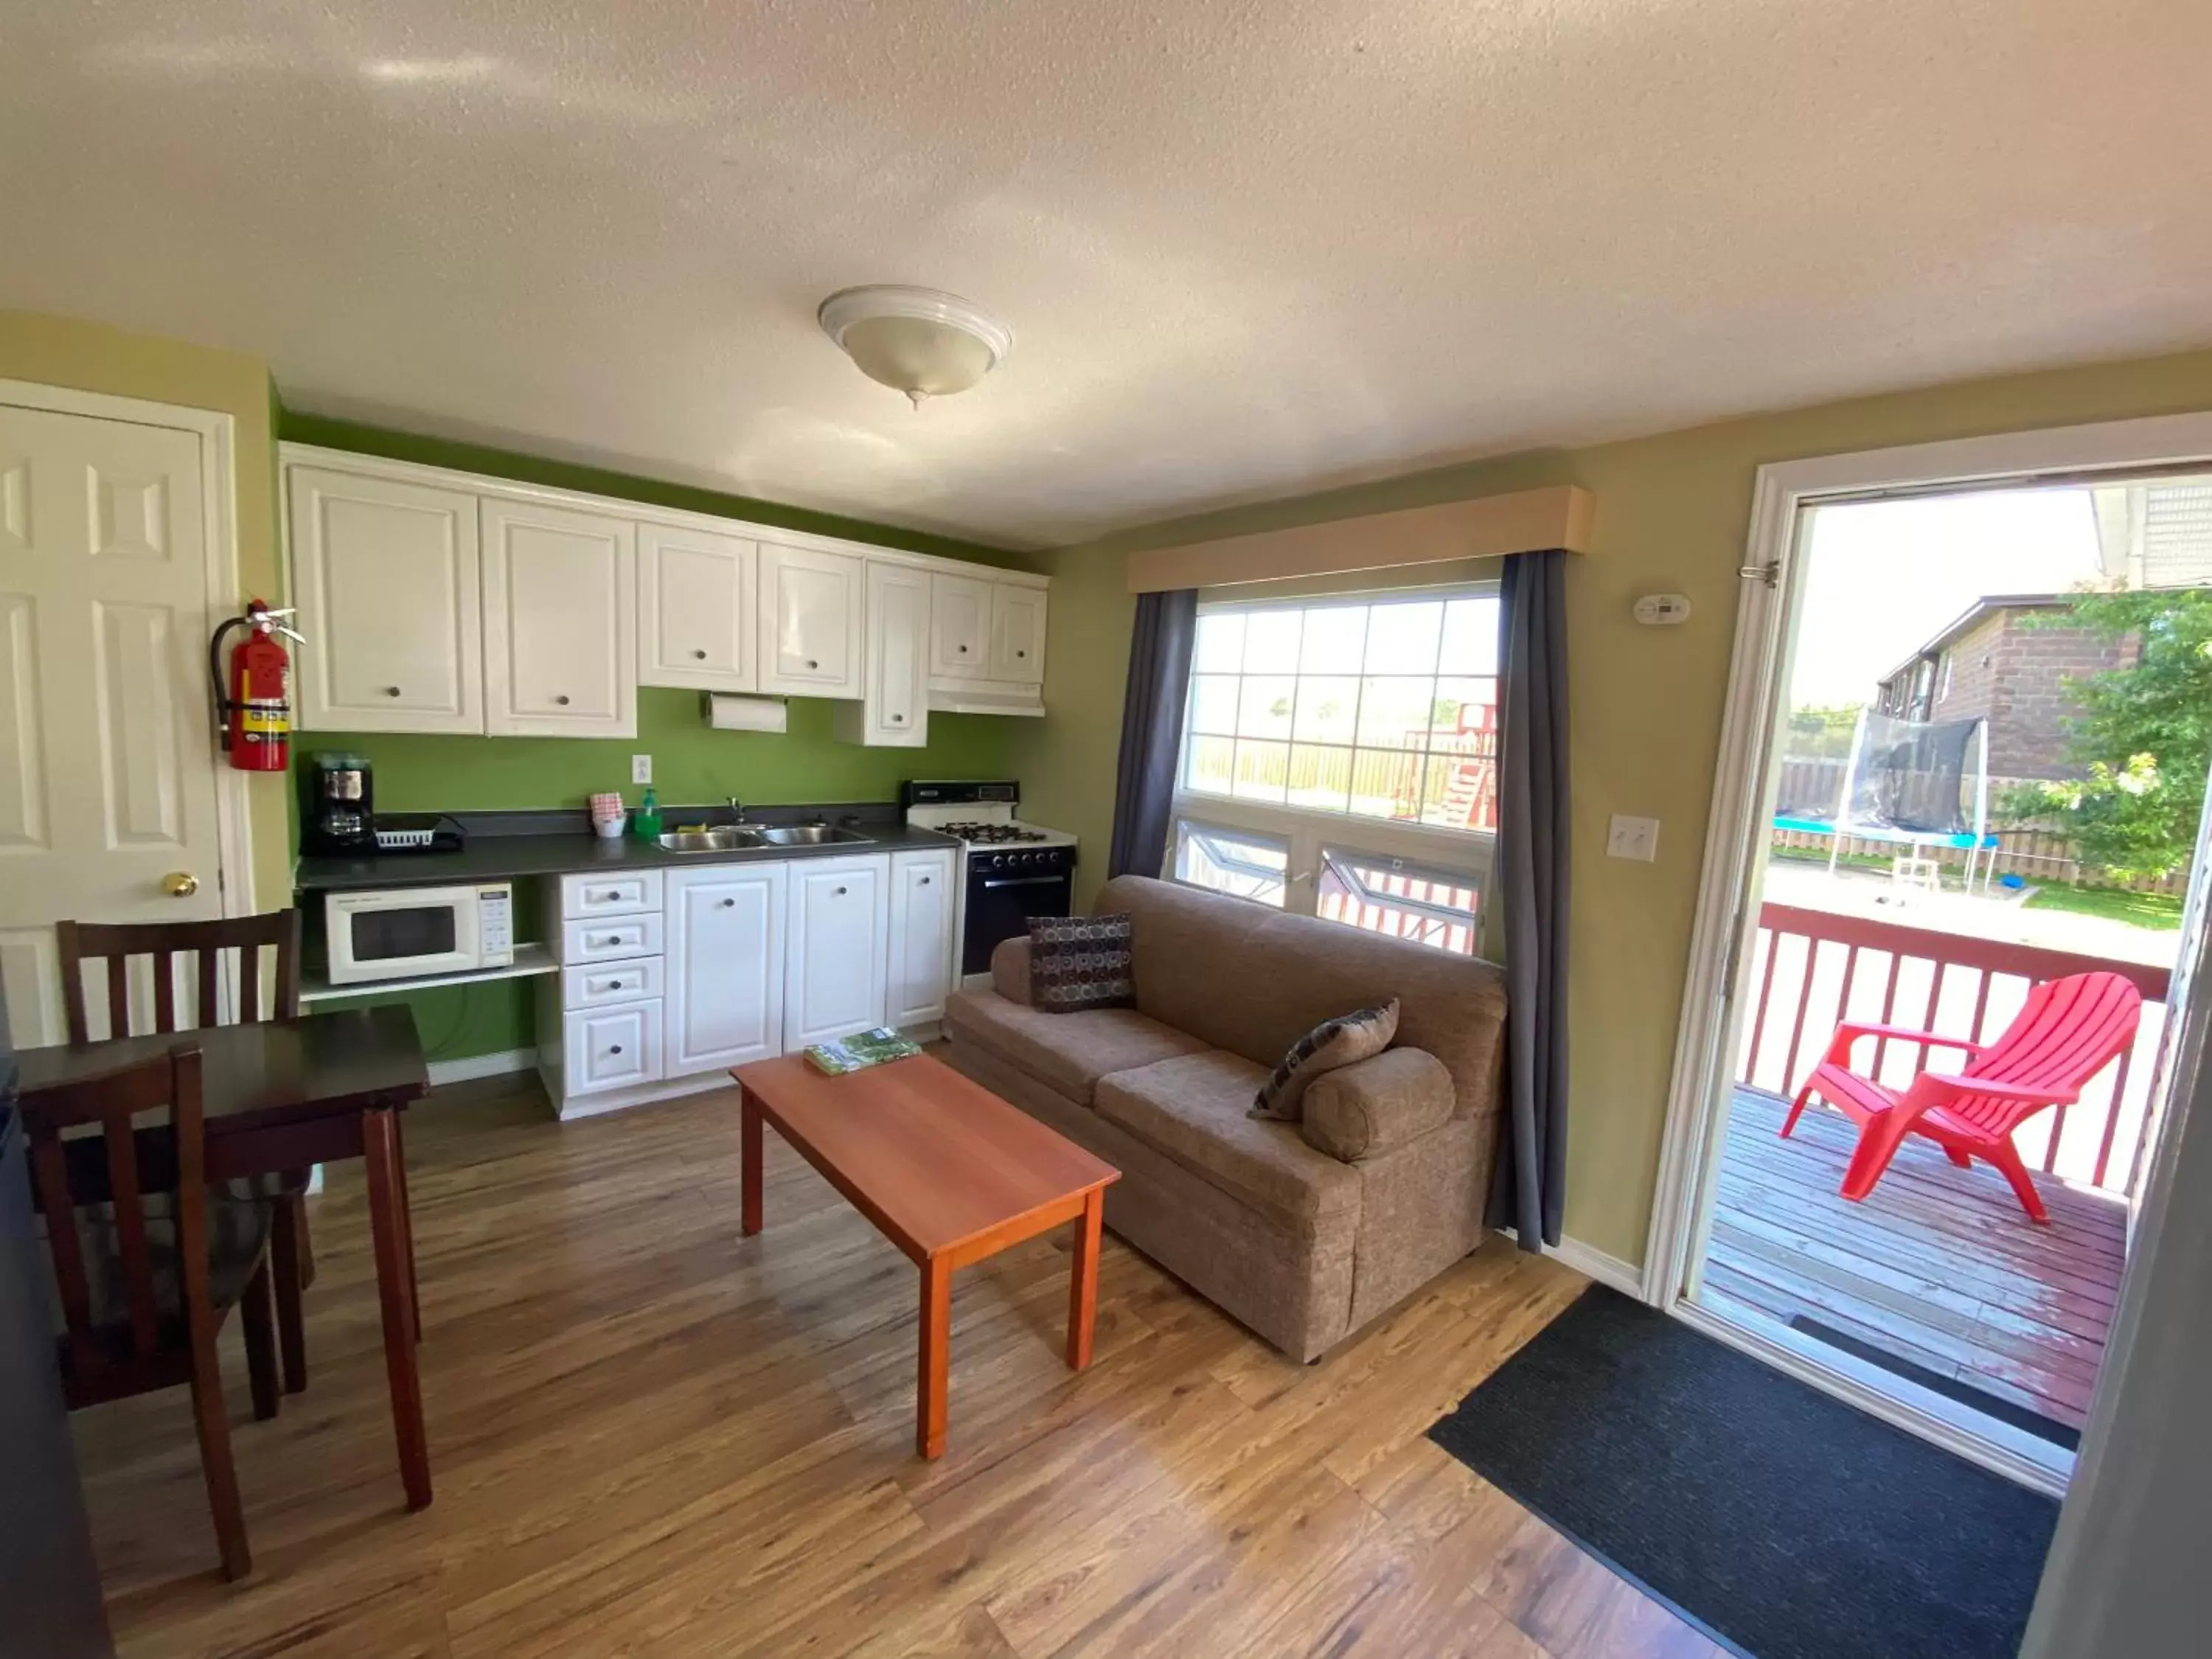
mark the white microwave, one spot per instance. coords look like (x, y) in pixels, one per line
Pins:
(404, 933)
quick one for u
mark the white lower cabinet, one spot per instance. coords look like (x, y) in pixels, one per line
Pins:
(725, 954)
(920, 937)
(612, 1047)
(837, 952)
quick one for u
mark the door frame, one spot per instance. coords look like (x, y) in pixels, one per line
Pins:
(1726, 922)
(217, 432)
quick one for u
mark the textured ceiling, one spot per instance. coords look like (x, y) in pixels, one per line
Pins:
(1248, 247)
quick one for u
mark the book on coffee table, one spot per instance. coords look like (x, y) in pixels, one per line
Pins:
(859, 1051)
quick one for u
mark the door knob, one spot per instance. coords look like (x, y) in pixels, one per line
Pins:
(181, 884)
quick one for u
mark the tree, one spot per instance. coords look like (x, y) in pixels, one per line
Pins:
(2144, 733)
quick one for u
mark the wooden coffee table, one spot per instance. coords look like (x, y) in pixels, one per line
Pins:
(947, 1171)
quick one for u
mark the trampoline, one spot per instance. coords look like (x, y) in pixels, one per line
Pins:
(1916, 785)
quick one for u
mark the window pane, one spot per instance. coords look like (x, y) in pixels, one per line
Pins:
(1220, 646)
(1385, 784)
(1393, 714)
(1263, 770)
(1263, 707)
(1401, 639)
(1327, 705)
(1249, 867)
(1213, 703)
(1209, 764)
(1461, 793)
(1319, 778)
(1470, 637)
(1270, 642)
(1464, 707)
(1336, 640)
(1433, 907)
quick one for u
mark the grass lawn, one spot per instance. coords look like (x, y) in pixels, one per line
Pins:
(2159, 910)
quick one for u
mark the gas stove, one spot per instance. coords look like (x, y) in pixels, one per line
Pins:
(1015, 870)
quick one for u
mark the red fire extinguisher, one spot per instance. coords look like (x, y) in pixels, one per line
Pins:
(255, 703)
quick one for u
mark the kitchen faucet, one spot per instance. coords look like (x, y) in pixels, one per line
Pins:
(736, 810)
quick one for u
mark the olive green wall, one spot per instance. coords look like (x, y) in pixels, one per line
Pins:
(94, 357)
(692, 762)
(1673, 515)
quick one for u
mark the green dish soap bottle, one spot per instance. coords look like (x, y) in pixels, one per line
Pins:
(645, 823)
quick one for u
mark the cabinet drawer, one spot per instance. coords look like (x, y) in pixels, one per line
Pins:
(611, 938)
(610, 895)
(612, 1047)
(616, 981)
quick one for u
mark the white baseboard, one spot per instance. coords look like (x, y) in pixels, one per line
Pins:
(470, 1066)
(1594, 1263)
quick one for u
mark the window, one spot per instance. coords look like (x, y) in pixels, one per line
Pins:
(1340, 759)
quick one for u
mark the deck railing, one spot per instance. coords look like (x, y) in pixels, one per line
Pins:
(1812, 968)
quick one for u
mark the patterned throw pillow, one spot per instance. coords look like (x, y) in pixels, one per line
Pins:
(1079, 962)
(1332, 1044)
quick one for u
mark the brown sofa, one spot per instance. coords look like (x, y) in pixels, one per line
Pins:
(1303, 1231)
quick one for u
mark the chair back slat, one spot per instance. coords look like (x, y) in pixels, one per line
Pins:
(2068, 1031)
(128, 1206)
(113, 946)
(114, 1102)
(50, 1180)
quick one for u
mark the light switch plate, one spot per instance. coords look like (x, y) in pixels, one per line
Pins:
(1633, 838)
(641, 769)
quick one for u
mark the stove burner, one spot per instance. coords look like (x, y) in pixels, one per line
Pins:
(993, 834)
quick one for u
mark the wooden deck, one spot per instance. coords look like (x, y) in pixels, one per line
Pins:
(1938, 1266)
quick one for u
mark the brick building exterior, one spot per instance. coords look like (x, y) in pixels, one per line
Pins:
(1990, 663)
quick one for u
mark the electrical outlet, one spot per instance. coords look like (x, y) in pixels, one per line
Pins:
(641, 769)
(1633, 838)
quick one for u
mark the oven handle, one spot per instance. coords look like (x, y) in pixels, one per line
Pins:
(1024, 881)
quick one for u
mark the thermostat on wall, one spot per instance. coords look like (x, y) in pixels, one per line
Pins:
(1663, 610)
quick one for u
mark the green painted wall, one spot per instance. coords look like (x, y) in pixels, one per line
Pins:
(1673, 515)
(692, 762)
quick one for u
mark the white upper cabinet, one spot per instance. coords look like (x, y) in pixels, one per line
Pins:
(811, 605)
(696, 595)
(922, 935)
(384, 575)
(560, 601)
(894, 709)
(960, 627)
(1018, 634)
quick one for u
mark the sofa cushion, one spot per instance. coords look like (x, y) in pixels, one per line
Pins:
(1068, 1052)
(1193, 1108)
(1376, 1105)
(1253, 981)
(1332, 1044)
(1077, 963)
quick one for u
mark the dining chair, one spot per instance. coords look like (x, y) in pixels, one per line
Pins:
(112, 945)
(147, 1261)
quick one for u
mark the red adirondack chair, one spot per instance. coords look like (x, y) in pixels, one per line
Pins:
(2068, 1032)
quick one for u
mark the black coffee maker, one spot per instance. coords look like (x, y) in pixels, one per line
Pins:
(337, 802)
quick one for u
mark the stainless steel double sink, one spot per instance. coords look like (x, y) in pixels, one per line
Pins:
(745, 838)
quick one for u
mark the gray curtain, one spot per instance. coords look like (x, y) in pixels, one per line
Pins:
(1151, 730)
(1529, 1182)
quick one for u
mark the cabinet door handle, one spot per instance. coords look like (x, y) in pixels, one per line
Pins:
(610, 985)
(898, 719)
(840, 892)
(1021, 653)
(964, 650)
(390, 690)
(610, 895)
(925, 881)
(562, 699)
(615, 1049)
(701, 655)
(810, 663)
(612, 938)
(727, 904)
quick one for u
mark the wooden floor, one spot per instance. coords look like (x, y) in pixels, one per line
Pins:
(1938, 1265)
(652, 1436)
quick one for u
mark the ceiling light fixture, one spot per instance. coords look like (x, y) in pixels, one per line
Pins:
(915, 340)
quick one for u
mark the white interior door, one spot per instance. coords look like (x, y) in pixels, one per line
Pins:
(107, 765)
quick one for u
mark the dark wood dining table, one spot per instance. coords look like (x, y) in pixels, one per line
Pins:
(283, 1094)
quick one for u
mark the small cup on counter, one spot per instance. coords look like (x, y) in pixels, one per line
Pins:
(607, 816)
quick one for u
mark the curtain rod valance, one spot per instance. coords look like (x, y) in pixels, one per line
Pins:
(1490, 526)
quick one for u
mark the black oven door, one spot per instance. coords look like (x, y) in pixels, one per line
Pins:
(1000, 905)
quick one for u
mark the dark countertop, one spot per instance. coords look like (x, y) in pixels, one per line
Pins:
(499, 857)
